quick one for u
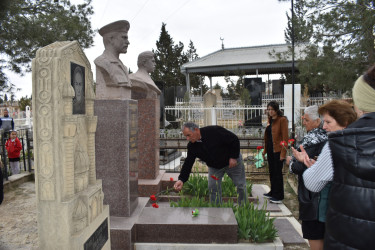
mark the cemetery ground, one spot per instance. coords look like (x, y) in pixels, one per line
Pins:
(18, 224)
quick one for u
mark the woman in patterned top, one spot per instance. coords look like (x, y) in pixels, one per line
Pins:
(311, 205)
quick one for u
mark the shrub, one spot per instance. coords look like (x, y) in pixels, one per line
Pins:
(254, 224)
(197, 185)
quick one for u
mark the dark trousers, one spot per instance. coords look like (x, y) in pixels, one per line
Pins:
(276, 175)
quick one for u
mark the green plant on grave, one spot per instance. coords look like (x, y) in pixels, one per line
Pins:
(228, 189)
(199, 202)
(194, 201)
(249, 188)
(197, 185)
(254, 224)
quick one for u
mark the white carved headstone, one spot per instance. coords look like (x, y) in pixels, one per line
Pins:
(288, 102)
(28, 116)
(71, 214)
(209, 100)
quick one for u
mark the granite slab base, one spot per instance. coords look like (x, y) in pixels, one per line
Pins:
(176, 225)
(123, 234)
(275, 245)
(147, 187)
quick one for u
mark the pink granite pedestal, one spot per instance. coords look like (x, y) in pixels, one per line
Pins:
(116, 154)
(148, 138)
(149, 176)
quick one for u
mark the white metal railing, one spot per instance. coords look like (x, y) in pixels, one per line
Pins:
(23, 123)
(233, 117)
(227, 116)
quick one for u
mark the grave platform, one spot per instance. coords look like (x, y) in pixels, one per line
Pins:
(212, 225)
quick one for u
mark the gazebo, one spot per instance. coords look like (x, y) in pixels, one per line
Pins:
(253, 60)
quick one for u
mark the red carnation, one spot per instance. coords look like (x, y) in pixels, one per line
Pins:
(214, 177)
(155, 205)
(259, 147)
(291, 141)
(152, 197)
(283, 143)
(171, 179)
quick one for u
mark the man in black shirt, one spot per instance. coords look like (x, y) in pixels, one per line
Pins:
(220, 150)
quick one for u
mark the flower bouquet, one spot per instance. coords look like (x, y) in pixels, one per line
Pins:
(259, 161)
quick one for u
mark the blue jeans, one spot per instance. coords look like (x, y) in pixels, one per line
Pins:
(237, 174)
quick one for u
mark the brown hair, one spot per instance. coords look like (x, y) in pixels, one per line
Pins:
(341, 111)
(275, 107)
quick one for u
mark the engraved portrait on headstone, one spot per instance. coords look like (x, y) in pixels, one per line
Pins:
(112, 75)
(142, 84)
(78, 83)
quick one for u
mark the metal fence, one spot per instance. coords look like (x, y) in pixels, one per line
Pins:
(173, 152)
(227, 116)
(27, 160)
(230, 114)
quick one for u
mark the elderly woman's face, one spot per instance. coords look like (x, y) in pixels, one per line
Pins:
(310, 123)
(330, 124)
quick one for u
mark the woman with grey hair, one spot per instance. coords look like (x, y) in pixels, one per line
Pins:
(311, 205)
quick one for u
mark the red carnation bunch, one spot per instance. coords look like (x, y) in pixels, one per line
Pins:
(287, 145)
(154, 198)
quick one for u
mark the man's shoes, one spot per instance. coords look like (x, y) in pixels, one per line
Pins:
(276, 201)
(267, 195)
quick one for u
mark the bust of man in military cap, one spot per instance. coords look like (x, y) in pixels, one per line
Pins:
(142, 84)
(112, 76)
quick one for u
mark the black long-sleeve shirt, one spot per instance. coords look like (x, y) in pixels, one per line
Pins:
(216, 147)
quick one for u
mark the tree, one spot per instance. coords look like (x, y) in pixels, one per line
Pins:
(169, 58)
(27, 25)
(341, 44)
(196, 81)
(23, 102)
(303, 28)
(235, 87)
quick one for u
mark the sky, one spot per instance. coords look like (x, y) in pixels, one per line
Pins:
(240, 23)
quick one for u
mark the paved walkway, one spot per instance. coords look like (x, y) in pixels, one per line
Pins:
(18, 226)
